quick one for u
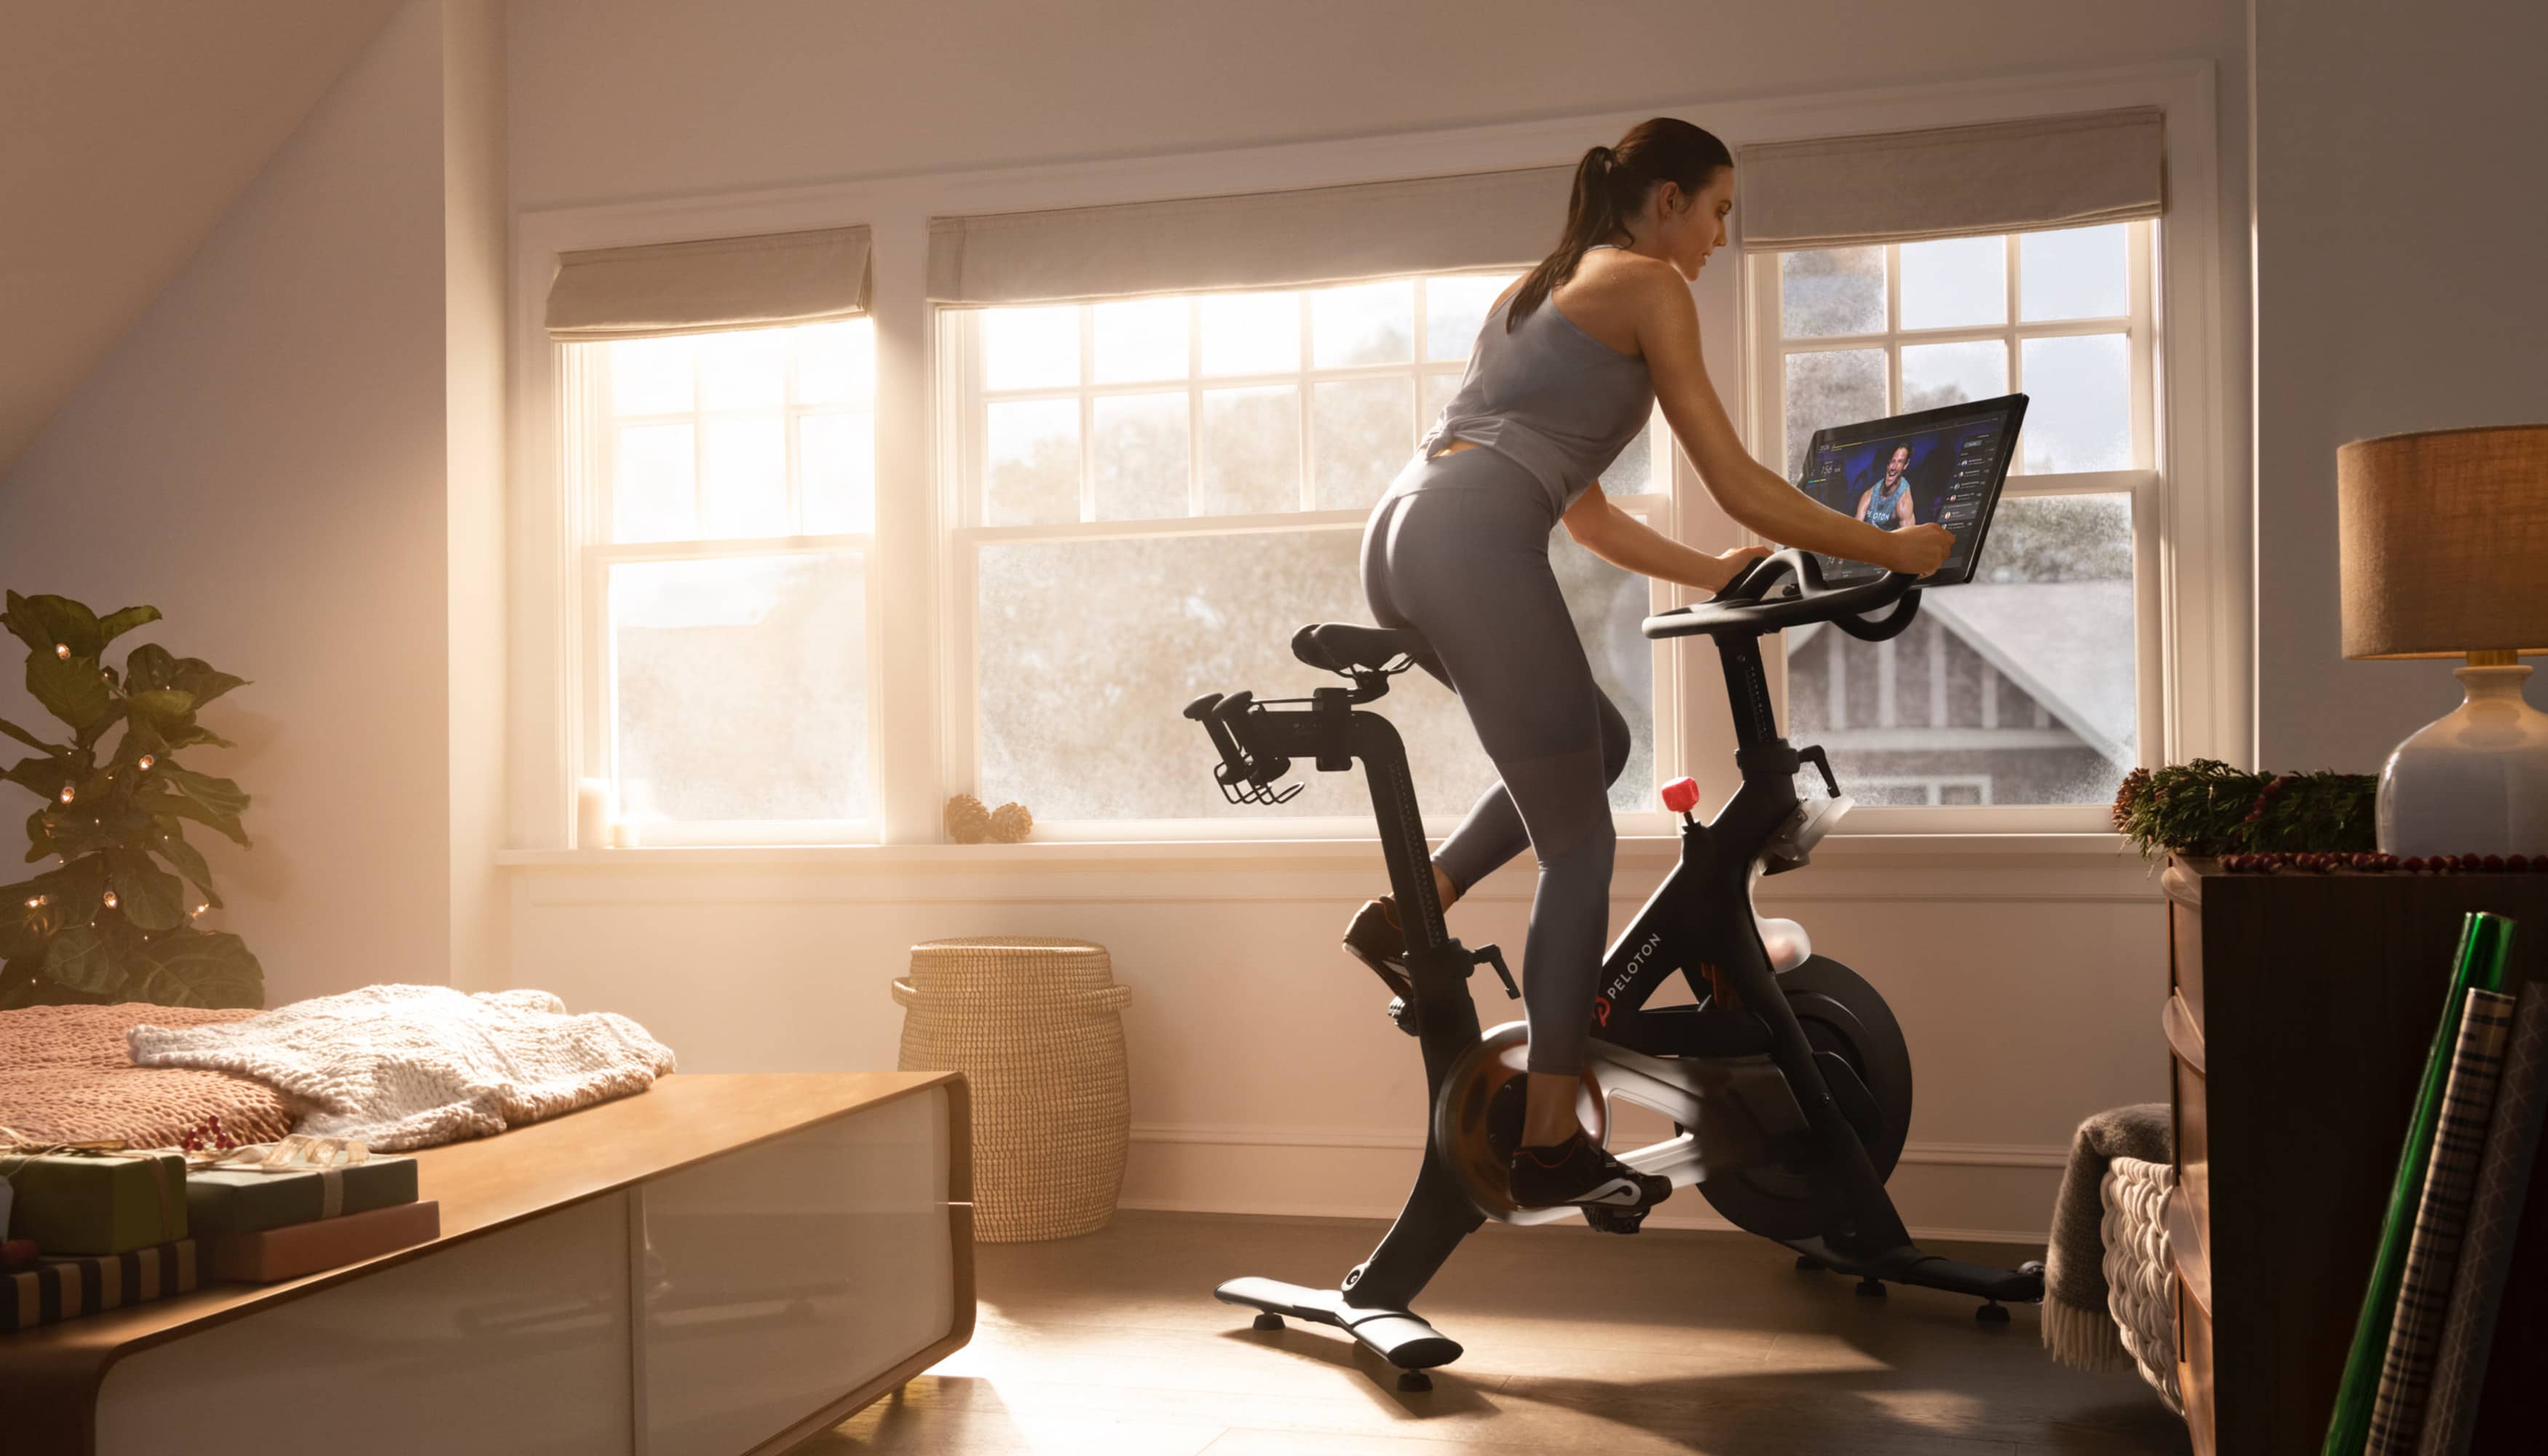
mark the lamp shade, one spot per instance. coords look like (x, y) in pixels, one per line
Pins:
(2444, 542)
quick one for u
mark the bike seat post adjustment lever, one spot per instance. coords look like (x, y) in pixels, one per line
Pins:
(1682, 798)
(1494, 955)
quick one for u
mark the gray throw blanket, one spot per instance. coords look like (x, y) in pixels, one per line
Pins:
(2078, 1327)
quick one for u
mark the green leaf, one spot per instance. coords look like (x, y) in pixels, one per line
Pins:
(215, 795)
(169, 803)
(169, 841)
(43, 777)
(78, 890)
(150, 896)
(80, 958)
(47, 622)
(118, 623)
(193, 967)
(29, 739)
(39, 837)
(161, 702)
(70, 689)
(151, 667)
(23, 984)
(24, 928)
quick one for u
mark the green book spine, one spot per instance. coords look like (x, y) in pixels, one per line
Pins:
(2484, 940)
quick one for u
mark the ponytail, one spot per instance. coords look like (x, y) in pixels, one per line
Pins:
(1610, 186)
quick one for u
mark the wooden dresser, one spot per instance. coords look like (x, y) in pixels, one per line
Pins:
(2301, 1010)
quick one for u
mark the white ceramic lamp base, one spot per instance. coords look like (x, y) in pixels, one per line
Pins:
(2474, 782)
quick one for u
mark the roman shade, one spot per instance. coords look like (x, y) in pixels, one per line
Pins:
(1263, 240)
(710, 286)
(2064, 171)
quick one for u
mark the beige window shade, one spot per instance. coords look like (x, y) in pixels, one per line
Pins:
(1953, 182)
(709, 286)
(1265, 240)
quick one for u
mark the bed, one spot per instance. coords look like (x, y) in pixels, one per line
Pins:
(720, 1265)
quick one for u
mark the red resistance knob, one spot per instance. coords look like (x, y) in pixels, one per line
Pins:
(1681, 796)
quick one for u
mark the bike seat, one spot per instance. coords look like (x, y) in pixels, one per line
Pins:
(1345, 647)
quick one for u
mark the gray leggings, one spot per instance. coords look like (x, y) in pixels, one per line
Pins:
(1458, 549)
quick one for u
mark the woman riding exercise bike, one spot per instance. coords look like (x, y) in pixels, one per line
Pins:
(1566, 370)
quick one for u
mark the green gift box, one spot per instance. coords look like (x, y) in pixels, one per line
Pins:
(240, 1201)
(97, 1203)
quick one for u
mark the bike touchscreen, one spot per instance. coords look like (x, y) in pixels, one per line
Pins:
(1941, 467)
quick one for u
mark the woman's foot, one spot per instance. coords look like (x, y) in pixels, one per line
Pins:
(1576, 1172)
(1376, 939)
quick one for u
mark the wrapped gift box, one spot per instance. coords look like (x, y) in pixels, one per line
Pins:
(97, 1203)
(237, 1201)
(295, 1249)
(66, 1289)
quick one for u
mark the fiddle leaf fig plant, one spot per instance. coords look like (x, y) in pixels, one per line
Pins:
(114, 919)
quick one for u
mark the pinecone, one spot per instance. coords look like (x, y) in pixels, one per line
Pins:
(1011, 824)
(967, 820)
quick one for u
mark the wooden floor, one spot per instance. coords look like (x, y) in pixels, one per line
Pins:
(1576, 1342)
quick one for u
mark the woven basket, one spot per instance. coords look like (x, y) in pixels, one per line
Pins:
(1032, 1024)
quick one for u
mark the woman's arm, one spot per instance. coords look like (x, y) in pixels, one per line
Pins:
(1668, 335)
(1630, 544)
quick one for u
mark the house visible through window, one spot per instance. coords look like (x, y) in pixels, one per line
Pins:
(2019, 687)
(730, 500)
(1157, 492)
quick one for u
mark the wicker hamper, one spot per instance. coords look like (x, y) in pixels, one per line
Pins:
(1032, 1024)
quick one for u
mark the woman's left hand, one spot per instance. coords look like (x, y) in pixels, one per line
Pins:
(1734, 562)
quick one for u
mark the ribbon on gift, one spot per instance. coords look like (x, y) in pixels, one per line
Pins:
(296, 1153)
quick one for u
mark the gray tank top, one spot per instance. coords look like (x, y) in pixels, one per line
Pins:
(1549, 396)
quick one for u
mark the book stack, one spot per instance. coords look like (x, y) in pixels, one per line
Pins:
(2426, 1344)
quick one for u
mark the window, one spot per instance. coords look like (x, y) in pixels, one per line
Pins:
(1154, 492)
(728, 490)
(2019, 687)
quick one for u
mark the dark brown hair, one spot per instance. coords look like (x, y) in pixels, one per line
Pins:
(1610, 185)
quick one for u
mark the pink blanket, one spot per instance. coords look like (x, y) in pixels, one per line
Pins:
(66, 1075)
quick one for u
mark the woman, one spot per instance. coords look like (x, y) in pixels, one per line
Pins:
(1566, 370)
(1886, 506)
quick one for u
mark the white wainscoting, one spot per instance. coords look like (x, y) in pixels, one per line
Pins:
(2027, 972)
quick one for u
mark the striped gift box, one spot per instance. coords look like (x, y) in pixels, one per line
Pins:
(66, 1289)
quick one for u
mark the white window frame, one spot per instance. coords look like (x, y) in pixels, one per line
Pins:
(2144, 484)
(2202, 686)
(963, 452)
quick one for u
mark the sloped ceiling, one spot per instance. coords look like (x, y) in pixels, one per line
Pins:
(126, 129)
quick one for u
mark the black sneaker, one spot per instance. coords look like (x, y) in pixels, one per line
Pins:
(1376, 939)
(1577, 1173)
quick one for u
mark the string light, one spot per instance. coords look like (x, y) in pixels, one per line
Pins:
(63, 650)
(111, 901)
(38, 903)
(146, 762)
(200, 909)
(67, 794)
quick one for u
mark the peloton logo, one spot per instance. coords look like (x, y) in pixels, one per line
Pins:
(1636, 967)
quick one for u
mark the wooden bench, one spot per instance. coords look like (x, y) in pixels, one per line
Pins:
(721, 1265)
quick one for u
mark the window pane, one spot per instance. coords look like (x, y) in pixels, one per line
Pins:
(1141, 338)
(1831, 291)
(838, 456)
(2016, 689)
(1140, 456)
(653, 487)
(739, 687)
(1455, 309)
(1364, 429)
(1031, 473)
(651, 376)
(744, 370)
(1954, 282)
(1827, 387)
(835, 362)
(1251, 450)
(1251, 332)
(1938, 375)
(1162, 620)
(1031, 349)
(1367, 323)
(746, 476)
(2079, 410)
(2075, 273)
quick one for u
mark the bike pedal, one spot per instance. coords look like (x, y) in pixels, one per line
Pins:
(1614, 1220)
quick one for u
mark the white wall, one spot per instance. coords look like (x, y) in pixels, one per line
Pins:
(2400, 200)
(265, 457)
(1264, 1076)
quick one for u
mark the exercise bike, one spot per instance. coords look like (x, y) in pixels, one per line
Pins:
(1787, 1081)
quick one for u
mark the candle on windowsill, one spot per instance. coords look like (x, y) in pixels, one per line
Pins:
(592, 826)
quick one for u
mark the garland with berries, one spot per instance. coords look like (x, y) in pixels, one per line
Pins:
(2323, 863)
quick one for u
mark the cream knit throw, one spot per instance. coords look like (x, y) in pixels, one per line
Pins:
(414, 1067)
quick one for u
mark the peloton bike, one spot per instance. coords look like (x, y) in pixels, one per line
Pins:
(1787, 1081)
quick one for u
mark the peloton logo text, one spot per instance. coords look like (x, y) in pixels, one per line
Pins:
(1636, 965)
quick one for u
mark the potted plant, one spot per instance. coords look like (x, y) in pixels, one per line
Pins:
(110, 923)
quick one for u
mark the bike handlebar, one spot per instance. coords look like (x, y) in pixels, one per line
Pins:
(1745, 606)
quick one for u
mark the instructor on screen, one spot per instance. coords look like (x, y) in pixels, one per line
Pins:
(1886, 506)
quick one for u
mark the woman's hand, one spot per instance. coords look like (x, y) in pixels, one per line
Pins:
(1917, 550)
(1734, 562)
